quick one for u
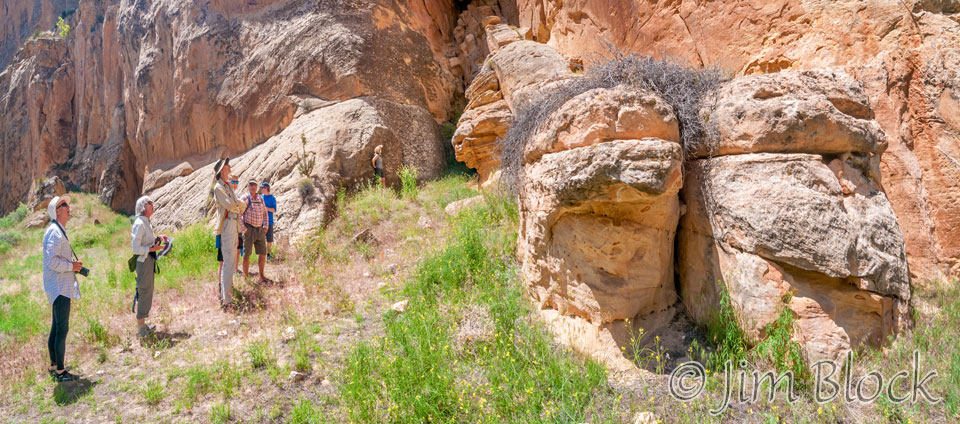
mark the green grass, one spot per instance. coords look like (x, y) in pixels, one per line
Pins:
(306, 412)
(152, 392)
(417, 373)
(8, 240)
(14, 217)
(21, 314)
(261, 355)
(408, 182)
(220, 413)
(192, 257)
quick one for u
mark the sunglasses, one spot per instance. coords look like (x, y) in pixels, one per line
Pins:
(234, 182)
(63, 205)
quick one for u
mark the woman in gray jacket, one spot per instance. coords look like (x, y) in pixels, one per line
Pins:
(145, 246)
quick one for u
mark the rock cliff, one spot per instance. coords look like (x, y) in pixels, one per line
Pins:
(140, 87)
(904, 53)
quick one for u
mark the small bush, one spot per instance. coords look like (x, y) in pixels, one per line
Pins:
(304, 165)
(14, 218)
(725, 334)
(305, 187)
(408, 181)
(62, 27)
(8, 240)
(683, 88)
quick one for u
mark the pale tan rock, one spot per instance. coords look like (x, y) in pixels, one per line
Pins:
(340, 138)
(454, 208)
(904, 53)
(840, 255)
(601, 115)
(43, 191)
(798, 112)
(524, 68)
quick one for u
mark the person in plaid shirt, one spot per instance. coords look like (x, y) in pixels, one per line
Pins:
(256, 221)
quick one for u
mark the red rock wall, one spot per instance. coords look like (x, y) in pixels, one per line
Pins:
(905, 53)
(139, 85)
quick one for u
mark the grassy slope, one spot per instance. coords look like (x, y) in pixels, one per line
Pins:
(466, 349)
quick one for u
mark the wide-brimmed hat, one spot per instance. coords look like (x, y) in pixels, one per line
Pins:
(219, 167)
(55, 203)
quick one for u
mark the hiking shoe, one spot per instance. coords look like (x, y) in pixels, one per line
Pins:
(66, 376)
(146, 331)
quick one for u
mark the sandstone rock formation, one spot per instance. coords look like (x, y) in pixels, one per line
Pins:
(157, 84)
(340, 138)
(905, 54)
(598, 210)
(790, 203)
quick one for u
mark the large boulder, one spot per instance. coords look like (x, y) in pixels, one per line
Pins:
(598, 210)
(340, 140)
(794, 223)
(904, 52)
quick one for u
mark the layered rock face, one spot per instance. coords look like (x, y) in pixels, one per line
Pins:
(598, 191)
(151, 85)
(788, 213)
(340, 140)
(904, 53)
(781, 205)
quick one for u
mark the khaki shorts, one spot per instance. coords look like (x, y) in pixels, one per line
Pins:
(255, 237)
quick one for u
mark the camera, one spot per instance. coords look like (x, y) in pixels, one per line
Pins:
(84, 271)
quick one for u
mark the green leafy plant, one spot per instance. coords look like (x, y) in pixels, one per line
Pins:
(408, 181)
(62, 27)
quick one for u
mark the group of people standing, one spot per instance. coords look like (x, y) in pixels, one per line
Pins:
(247, 222)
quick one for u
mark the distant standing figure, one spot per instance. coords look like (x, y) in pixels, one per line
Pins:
(145, 246)
(271, 203)
(377, 163)
(59, 282)
(228, 213)
(256, 221)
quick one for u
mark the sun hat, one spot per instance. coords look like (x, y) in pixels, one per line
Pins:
(219, 167)
(55, 203)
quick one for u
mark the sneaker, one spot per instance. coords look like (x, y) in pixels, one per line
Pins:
(53, 372)
(66, 376)
(146, 331)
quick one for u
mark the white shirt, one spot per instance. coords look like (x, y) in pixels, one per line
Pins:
(58, 276)
(142, 237)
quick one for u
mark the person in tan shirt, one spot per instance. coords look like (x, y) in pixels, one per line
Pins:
(229, 209)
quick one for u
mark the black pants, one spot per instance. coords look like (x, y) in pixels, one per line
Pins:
(58, 331)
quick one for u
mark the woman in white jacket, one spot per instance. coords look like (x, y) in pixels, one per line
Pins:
(59, 282)
(145, 246)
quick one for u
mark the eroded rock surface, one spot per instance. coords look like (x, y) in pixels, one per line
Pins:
(813, 223)
(139, 85)
(904, 52)
(340, 139)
